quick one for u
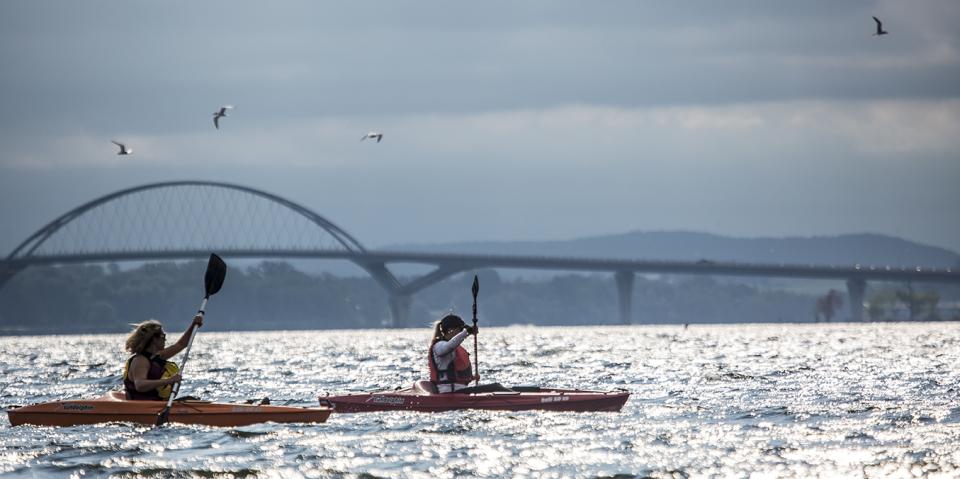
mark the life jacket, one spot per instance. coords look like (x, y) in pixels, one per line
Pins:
(460, 371)
(159, 369)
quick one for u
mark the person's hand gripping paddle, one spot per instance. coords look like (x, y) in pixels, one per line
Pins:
(212, 281)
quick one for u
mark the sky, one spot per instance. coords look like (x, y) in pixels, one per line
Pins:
(502, 120)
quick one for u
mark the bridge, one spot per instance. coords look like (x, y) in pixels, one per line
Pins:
(189, 219)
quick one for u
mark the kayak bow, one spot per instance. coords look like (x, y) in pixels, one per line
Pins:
(113, 407)
(519, 399)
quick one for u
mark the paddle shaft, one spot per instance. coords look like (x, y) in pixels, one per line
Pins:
(212, 282)
(476, 354)
(186, 356)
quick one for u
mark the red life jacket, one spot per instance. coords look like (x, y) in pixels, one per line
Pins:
(459, 371)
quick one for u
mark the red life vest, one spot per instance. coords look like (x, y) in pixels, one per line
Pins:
(459, 371)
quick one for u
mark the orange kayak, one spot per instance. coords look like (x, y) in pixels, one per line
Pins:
(113, 407)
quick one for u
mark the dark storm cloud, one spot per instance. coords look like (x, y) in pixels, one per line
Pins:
(146, 66)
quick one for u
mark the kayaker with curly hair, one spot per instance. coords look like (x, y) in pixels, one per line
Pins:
(148, 375)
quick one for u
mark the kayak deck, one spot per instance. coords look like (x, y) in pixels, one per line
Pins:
(519, 399)
(113, 407)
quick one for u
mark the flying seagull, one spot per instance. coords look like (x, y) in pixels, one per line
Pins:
(123, 148)
(372, 135)
(217, 115)
(880, 30)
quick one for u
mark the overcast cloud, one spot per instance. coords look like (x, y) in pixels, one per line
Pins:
(501, 120)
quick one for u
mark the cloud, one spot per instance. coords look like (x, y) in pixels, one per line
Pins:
(886, 127)
(589, 134)
(869, 127)
(139, 65)
(576, 134)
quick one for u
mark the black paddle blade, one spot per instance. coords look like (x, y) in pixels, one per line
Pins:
(476, 287)
(216, 271)
(163, 417)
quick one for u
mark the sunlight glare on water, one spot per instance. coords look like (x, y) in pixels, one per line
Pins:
(731, 400)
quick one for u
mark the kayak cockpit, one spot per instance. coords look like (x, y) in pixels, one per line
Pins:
(114, 396)
(121, 396)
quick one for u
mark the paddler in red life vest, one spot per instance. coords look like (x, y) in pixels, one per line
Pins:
(147, 374)
(450, 367)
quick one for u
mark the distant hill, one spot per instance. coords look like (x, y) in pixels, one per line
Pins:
(865, 249)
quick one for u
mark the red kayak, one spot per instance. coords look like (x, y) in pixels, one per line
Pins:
(113, 407)
(516, 399)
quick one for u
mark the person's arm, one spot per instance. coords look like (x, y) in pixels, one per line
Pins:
(443, 348)
(181, 343)
(139, 367)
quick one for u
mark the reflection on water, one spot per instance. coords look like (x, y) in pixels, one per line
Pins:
(775, 400)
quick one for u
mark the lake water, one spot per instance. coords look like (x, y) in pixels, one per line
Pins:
(853, 400)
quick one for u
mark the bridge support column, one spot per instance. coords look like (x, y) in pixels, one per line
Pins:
(856, 288)
(625, 295)
(6, 272)
(400, 309)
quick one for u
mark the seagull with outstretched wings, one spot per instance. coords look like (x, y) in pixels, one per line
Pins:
(123, 148)
(880, 30)
(372, 135)
(217, 115)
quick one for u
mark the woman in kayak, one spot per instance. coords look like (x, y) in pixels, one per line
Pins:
(147, 374)
(450, 368)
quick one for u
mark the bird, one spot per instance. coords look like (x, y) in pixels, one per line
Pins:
(373, 134)
(217, 115)
(880, 30)
(123, 148)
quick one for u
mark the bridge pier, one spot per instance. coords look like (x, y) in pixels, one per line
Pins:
(625, 295)
(6, 272)
(856, 287)
(400, 309)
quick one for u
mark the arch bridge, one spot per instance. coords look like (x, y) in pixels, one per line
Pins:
(190, 219)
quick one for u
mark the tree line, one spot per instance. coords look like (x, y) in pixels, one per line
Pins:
(275, 295)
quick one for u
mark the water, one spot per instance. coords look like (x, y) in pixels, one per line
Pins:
(850, 400)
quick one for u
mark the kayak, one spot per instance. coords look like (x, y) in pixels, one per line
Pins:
(515, 399)
(114, 407)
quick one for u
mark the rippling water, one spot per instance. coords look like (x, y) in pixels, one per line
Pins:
(769, 400)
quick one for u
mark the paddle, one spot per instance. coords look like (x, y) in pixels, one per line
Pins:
(212, 281)
(476, 356)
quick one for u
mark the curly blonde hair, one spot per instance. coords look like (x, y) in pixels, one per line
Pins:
(142, 334)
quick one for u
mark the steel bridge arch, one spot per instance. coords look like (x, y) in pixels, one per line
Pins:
(23, 255)
(25, 249)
